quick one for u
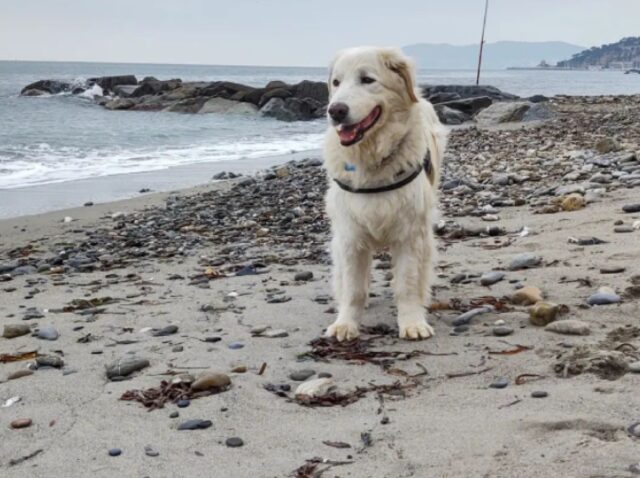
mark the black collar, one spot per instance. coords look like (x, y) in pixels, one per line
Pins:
(425, 166)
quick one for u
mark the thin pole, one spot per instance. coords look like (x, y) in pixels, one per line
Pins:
(484, 24)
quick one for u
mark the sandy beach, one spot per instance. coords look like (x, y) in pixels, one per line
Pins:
(233, 278)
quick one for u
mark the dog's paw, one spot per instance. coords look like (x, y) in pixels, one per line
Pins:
(343, 330)
(416, 329)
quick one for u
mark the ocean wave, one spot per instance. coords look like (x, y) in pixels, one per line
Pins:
(44, 164)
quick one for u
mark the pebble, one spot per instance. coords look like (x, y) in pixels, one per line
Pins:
(184, 403)
(569, 327)
(631, 207)
(303, 276)
(25, 372)
(314, 388)
(634, 367)
(525, 261)
(115, 452)
(210, 380)
(500, 383)
(612, 269)
(634, 429)
(177, 348)
(235, 345)
(48, 332)
(12, 331)
(275, 333)
(490, 278)
(234, 442)
(465, 318)
(301, 375)
(543, 313)
(195, 424)
(125, 366)
(527, 295)
(239, 369)
(461, 329)
(573, 202)
(21, 423)
(539, 394)
(635, 468)
(502, 331)
(168, 330)
(149, 451)
(174, 415)
(623, 229)
(603, 298)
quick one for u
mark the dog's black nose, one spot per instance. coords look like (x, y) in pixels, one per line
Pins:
(338, 112)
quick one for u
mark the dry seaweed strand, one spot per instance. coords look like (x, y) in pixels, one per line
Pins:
(156, 397)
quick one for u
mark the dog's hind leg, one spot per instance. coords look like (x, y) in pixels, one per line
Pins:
(352, 264)
(411, 273)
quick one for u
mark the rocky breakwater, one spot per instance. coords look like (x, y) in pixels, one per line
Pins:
(305, 100)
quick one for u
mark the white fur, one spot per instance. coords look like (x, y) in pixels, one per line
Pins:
(400, 220)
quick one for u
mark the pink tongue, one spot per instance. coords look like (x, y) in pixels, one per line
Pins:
(347, 135)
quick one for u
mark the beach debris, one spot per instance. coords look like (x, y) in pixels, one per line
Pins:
(527, 377)
(543, 313)
(310, 468)
(336, 444)
(6, 358)
(11, 401)
(17, 461)
(314, 388)
(516, 350)
(527, 295)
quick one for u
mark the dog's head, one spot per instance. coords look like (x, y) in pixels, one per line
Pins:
(369, 87)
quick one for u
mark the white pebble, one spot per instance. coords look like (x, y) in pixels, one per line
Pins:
(314, 388)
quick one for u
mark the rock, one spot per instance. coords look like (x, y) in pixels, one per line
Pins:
(527, 295)
(466, 317)
(634, 367)
(275, 334)
(195, 424)
(451, 116)
(504, 112)
(274, 93)
(500, 383)
(234, 442)
(168, 330)
(543, 313)
(184, 403)
(468, 106)
(573, 202)
(48, 332)
(108, 83)
(502, 331)
(490, 278)
(303, 276)
(467, 91)
(115, 452)
(153, 86)
(149, 451)
(569, 327)
(612, 269)
(52, 87)
(12, 331)
(603, 298)
(631, 208)
(225, 106)
(21, 423)
(211, 381)
(314, 388)
(124, 91)
(120, 104)
(301, 375)
(292, 109)
(623, 229)
(125, 366)
(49, 361)
(607, 145)
(235, 345)
(539, 394)
(525, 261)
(634, 429)
(25, 372)
(316, 91)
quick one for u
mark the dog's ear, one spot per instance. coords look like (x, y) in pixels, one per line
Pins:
(400, 65)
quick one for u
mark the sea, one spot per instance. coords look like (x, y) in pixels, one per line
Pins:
(64, 138)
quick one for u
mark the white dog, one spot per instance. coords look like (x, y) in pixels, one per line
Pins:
(380, 137)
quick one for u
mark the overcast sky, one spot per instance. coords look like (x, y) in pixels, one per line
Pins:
(288, 32)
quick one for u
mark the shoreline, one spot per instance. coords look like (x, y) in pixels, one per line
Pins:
(52, 197)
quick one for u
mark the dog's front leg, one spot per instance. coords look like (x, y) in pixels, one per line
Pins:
(411, 287)
(352, 264)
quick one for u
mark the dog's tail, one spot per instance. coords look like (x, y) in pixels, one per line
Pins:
(437, 142)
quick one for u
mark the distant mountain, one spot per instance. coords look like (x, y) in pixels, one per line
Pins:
(624, 54)
(498, 55)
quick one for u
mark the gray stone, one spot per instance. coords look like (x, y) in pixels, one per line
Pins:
(504, 112)
(195, 424)
(49, 361)
(525, 261)
(301, 375)
(225, 106)
(569, 327)
(500, 383)
(490, 278)
(275, 333)
(126, 366)
(634, 367)
(234, 442)
(465, 318)
(168, 330)
(539, 394)
(631, 207)
(502, 331)
(48, 332)
(304, 276)
(15, 330)
(603, 298)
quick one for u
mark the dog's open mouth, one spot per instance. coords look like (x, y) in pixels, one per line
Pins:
(352, 133)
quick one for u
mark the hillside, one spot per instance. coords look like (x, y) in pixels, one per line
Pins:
(624, 54)
(497, 55)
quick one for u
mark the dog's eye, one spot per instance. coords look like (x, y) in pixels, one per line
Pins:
(366, 80)
(336, 82)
